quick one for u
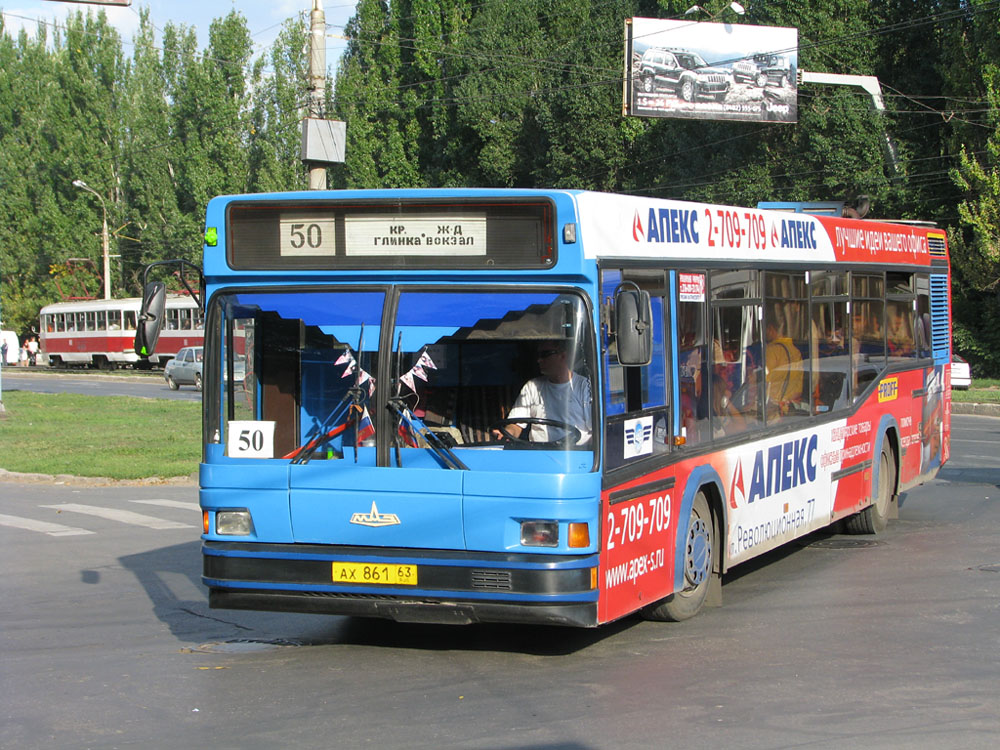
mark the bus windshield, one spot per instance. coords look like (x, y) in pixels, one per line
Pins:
(380, 375)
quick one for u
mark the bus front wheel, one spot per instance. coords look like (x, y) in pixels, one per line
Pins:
(699, 556)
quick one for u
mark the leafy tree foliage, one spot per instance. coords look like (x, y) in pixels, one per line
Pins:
(486, 93)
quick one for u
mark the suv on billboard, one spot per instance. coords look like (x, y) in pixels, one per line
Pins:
(763, 68)
(684, 72)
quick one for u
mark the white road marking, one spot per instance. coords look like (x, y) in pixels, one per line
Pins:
(170, 504)
(52, 529)
(122, 516)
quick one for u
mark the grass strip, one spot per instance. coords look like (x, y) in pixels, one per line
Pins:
(99, 436)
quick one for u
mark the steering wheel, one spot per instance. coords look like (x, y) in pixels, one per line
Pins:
(572, 436)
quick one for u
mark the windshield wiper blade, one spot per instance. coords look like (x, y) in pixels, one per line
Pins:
(303, 453)
(418, 429)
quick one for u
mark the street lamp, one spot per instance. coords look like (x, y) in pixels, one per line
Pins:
(104, 236)
(734, 7)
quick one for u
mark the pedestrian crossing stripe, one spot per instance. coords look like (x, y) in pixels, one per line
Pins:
(45, 527)
(122, 516)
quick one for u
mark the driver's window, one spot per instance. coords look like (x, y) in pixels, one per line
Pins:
(635, 398)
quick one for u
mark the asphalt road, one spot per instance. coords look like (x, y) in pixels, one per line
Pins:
(106, 641)
(88, 383)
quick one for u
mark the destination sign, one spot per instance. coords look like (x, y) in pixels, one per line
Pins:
(315, 235)
(460, 234)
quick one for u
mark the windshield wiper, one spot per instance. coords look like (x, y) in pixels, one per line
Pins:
(352, 404)
(418, 430)
(303, 453)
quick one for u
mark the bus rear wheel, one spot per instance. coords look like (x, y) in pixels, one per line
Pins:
(874, 518)
(699, 556)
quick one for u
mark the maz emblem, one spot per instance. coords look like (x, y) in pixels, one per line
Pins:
(374, 518)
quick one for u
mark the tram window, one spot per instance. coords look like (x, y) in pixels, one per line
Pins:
(50, 323)
(60, 322)
(114, 320)
(130, 316)
(185, 319)
(172, 318)
(199, 319)
(81, 321)
(102, 320)
(70, 322)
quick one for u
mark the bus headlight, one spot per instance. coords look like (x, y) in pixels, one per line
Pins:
(233, 523)
(540, 533)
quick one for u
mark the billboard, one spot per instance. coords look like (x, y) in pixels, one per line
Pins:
(710, 71)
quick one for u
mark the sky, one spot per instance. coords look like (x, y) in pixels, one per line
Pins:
(264, 17)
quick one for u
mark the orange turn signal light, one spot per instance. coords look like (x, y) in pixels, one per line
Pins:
(579, 535)
(204, 520)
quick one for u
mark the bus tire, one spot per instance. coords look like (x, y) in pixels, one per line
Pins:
(874, 518)
(699, 560)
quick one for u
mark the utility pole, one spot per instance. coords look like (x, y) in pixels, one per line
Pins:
(317, 82)
(104, 235)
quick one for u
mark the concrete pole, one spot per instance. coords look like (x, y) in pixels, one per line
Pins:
(104, 235)
(317, 81)
(107, 257)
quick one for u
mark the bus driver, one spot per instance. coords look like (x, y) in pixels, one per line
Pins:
(558, 394)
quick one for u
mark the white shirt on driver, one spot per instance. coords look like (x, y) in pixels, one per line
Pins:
(568, 402)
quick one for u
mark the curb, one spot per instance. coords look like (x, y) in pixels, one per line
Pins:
(17, 476)
(983, 410)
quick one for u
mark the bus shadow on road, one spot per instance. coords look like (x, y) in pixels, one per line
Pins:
(533, 640)
(171, 578)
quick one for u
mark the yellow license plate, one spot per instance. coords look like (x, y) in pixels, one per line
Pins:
(378, 573)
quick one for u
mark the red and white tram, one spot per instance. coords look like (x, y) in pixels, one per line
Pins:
(101, 333)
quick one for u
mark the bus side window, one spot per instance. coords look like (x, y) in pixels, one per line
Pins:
(692, 367)
(786, 347)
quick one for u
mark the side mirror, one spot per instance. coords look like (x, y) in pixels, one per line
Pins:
(147, 329)
(633, 326)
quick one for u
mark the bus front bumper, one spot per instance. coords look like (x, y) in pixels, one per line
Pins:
(452, 587)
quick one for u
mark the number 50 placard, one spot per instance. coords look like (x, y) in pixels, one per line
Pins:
(248, 439)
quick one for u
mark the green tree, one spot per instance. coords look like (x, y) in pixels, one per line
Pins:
(280, 82)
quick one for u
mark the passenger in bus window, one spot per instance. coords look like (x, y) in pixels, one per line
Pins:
(694, 412)
(900, 336)
(783, 366)
(726, 418)
(558, 394)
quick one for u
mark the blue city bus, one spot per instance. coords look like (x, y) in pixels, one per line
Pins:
(401, 445)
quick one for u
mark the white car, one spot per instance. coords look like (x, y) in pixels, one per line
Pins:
(184, 369)
(961, 376)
